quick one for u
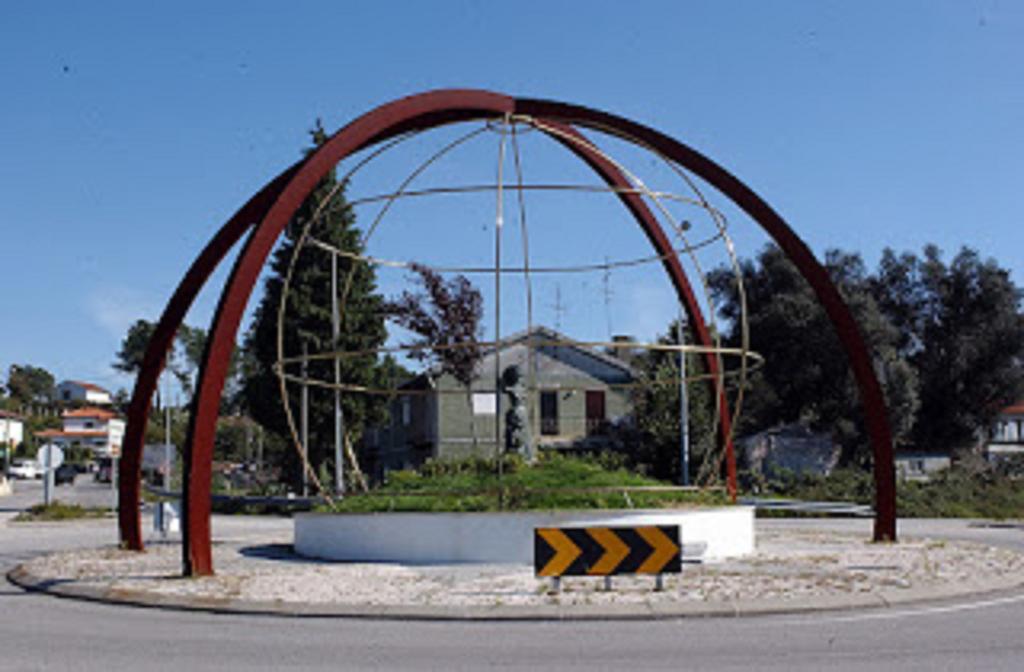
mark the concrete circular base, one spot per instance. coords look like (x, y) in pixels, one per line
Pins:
(442, 538)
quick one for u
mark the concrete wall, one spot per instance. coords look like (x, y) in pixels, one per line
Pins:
(441, 538)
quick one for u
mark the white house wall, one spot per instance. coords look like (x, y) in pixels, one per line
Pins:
(96, 397)
(84, 425)
(12, 432)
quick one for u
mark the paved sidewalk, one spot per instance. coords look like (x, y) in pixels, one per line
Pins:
(795, 569)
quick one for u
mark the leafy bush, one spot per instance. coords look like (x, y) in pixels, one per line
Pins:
(966, 491)
(59, 511)
(555, 481)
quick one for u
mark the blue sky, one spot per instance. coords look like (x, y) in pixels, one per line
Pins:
(131, 131)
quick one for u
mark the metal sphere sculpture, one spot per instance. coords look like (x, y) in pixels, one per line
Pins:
(266, 214)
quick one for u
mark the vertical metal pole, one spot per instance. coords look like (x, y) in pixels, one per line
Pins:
(113, 482)
(305, 420)
(339, 420)
(48, 474)
(684, 411)
(499, 221)
(167, 447)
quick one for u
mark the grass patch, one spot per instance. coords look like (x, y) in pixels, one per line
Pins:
(553, 482)
(59, 511)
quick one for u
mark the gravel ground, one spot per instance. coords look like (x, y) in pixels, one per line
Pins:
(788, 565)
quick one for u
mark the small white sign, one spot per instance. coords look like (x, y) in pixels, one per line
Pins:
(56, 456)
(484, 403)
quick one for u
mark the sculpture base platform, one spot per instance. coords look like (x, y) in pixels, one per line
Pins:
(447, 538)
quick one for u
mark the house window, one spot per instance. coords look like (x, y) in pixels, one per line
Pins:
(595, 410)
(548, 412)
(406, 412)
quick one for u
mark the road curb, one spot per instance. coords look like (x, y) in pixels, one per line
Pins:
(24, 579)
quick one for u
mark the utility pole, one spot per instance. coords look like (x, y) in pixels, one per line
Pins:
(304, 420)
(339, 419)
(167, 446)
(684, 415)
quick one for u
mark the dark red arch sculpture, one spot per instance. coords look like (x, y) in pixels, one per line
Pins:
(270, 210)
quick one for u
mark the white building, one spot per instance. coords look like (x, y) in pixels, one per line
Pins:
(12, 430)
(920, 465)
(76, 390)
(1007, 435)
(98, 429)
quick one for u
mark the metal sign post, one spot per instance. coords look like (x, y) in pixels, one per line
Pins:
(113, 480)
(50, 457)
(167, 446)
(47, 474)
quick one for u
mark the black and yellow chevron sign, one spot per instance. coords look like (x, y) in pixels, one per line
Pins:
(602, 551)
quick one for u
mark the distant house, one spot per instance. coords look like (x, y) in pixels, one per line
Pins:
(574, 391)
(98, 429)
(71, 391)
(12, 430)
(918, 465)
(1006, 437)
(793, 448)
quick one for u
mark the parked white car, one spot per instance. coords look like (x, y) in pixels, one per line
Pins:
(25, 469)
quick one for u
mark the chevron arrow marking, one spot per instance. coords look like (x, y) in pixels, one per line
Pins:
(663, 548)
(565, 551)
(615, 551)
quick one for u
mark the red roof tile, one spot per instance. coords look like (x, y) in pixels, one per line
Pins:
(1014, 409)
(90, 412)
(89, 386)
(85, 434)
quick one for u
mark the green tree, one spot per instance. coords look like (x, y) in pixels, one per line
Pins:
(961, 329)
(27, 384)
(656, 446)
(308, 327)
(191, 342)
(133, 347)
(183, 360)
(806, 377)
(447, 320)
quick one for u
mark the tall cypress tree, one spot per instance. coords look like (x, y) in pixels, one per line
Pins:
(308, 325)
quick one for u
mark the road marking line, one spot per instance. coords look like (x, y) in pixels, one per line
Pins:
(927, 611)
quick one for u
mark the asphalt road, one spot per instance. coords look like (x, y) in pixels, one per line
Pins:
(39, 632)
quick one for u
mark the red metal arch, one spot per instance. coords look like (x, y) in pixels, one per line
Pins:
(422, 112)
(130, 467)
(875, 412)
